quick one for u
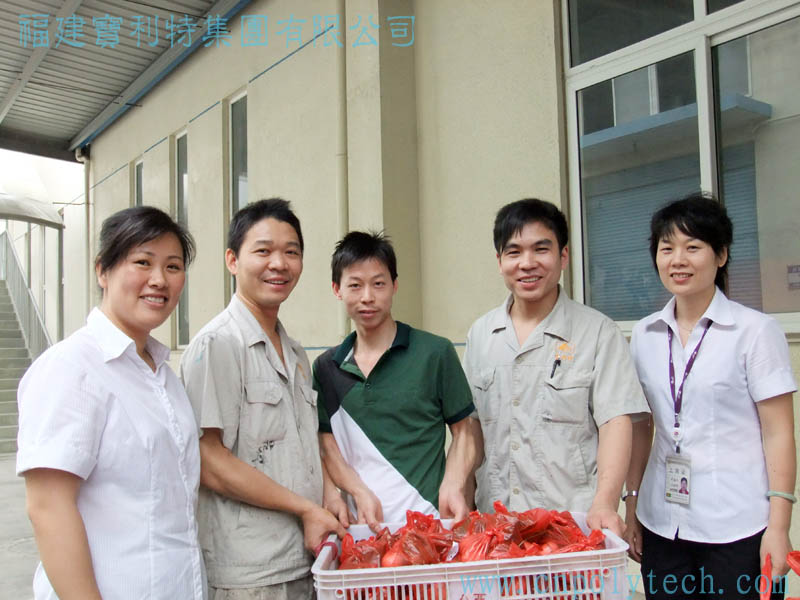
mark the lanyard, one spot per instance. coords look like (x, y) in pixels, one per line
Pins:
(677, 399)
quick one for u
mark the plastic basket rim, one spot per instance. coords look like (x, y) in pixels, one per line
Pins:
(620, 548)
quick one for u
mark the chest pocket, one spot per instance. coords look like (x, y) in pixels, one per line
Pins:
(308, 421)
(309, 394)
(565, 398)
(263, 417)
(484, 388)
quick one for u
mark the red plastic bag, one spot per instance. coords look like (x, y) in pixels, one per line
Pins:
(793, 558)
(364, 554)
(507, 529)
(476, 522)
(411, 548)
(765, 582)
(506, 550)
(476, 546)
(420, 522)
(595, 541)
(562, 531)
(504, 534)
(531, 522)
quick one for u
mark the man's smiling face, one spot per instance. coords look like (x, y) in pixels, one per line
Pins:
(531, 263)
(268, 265)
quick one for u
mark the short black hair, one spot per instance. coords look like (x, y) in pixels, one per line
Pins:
(271, 208)
(362, 245)
(513, 217)
(126, 229)
(701, 217)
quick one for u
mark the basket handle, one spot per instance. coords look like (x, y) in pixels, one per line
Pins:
(332, 545)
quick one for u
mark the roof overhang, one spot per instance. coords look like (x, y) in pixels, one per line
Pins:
(57, 97)
(23, 208)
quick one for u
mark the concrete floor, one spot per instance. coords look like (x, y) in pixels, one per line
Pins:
(18, 555)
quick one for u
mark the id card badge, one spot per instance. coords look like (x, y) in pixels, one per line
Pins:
(679, 479)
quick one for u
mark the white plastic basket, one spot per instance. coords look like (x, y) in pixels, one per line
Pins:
(594, 575)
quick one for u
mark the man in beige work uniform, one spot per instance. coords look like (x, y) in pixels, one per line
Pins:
(552, 380)
(250, 386)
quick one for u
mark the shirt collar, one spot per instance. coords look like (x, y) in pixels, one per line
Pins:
(556, 323)
(719, 311)
(114, 342)
(667, 314)
(253, 332)
(401, 340)
(501, 318)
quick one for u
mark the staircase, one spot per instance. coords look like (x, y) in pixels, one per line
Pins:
(14, 359)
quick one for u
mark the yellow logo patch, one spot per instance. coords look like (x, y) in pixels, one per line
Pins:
(565, 351)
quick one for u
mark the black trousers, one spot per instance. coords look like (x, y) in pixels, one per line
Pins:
(681, 570)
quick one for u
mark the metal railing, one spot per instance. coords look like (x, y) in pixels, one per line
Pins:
(30, 319)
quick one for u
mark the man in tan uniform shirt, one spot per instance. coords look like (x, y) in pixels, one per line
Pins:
(553, 381)
(250, 385)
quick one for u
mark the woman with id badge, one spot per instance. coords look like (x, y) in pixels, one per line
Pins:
(714, 494)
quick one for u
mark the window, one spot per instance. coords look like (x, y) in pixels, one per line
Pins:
(238, 145)
(598, 27)
(713, 106)
(137, 183)
(715, 5)
(182, 181)
(645, 153)
(758, 125)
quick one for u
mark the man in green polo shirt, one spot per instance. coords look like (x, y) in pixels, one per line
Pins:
(386, 394)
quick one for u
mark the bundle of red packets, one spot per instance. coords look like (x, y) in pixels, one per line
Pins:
(423, 540)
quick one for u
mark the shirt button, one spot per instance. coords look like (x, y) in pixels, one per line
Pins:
(516, 490)
(368, 385)
(519, 359)
(515, 402)
(514, 446)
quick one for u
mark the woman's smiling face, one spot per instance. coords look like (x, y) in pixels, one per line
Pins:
(141, 291)
(687, 266)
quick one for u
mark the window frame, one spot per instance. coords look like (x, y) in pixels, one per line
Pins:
(230, 283)
(700, 35)
(137, 193)
(183, 134)
(231, 183)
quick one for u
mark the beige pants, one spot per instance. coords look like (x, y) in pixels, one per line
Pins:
(300, 589)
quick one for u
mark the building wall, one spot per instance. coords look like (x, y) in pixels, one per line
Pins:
(294, 152)
(75, 278)
(206, 214)
(490, 132)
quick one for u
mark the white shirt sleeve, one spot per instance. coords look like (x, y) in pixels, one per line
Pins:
(769, 370)
(61, 418)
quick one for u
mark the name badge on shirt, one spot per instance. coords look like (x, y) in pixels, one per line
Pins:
(679, 479)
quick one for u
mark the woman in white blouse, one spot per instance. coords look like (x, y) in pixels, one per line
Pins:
(107, 440)
(719, 383)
